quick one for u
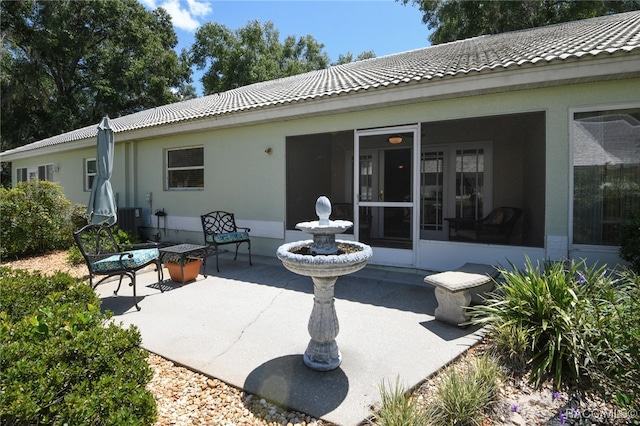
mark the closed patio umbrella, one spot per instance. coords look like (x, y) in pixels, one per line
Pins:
(102, 206)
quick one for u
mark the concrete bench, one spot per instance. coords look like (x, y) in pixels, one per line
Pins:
(456, 290)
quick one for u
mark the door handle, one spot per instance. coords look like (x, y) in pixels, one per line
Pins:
(381, 195)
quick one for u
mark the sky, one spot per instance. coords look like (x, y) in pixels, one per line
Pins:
(343, 26)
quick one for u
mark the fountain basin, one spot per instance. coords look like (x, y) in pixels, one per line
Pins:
(332, 265)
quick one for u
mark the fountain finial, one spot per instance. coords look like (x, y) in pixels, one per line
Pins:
(323, 210)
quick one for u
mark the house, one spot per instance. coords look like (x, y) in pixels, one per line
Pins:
(546, 120)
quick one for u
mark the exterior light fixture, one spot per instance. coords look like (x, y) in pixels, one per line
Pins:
(395, 139)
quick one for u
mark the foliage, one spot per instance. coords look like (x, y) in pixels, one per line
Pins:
(34, 218)
(463, 395)
(460, 19)
(254, 53)
(544, 302)
(63, 361)
(579, 324)
(612, 336)
(251, 54)
(512, 346)
(78, 216)
(348, 57)
(630, 241)
(66, 64)
(398, 408)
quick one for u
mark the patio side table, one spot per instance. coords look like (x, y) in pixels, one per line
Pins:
(185, 250)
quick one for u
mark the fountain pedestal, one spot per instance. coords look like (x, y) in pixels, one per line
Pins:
(324, 260)
(322, 353)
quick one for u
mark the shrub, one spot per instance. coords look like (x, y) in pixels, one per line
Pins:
(545, 305)
(34, 218)
(62, 361)
(612, 337)
(78, 216)
(630, 241)
(512, 345)
(398, 408)
(462, 396)
(578, 324)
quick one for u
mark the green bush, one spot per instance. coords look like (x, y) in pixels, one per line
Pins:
(544, 304)
(62, 360)
(78, 216)
(398, 408)
(630, 241)
(578, 323)
(612, 337)
(35, 217)
(462, 396)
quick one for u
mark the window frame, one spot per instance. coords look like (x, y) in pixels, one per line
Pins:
(22, 174)
(46, 170)
(88, 175)
(571, 208)
(168, 170)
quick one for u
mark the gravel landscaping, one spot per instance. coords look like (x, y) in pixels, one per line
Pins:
(185, 397)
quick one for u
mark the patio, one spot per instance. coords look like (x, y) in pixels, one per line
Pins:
(247, 326)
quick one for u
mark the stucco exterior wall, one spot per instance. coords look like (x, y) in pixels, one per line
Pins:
(241, 177)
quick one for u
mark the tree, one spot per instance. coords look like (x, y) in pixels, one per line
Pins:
(348, 57)
(65, 64)
(460, 19)
(251, 54)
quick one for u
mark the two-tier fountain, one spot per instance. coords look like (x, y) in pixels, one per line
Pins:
(324, 259)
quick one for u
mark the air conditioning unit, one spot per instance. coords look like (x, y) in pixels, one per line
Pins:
(130, 219)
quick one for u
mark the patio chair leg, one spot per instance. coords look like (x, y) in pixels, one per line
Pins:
(249, 244)
(236, 256)
(119, 283)
(135, 298)
(217, 263)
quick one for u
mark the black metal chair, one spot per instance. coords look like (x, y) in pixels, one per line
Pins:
(104, 256)
(220, 228)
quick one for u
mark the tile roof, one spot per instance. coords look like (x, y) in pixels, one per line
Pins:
(577, 39)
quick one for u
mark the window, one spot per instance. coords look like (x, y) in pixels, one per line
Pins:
(470, 175)
(90, 170)
(456, 182)
(185, 168)
(45, 172)
(21, 174)
(606, 173)
(431, 190)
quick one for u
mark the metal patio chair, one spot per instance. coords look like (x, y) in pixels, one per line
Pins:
(104, 256)
(220, 228)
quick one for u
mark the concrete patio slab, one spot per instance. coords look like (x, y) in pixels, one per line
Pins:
(247, 326)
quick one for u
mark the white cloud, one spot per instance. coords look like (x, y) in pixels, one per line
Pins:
(150, 4)
(184, 14)
(199, 8)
